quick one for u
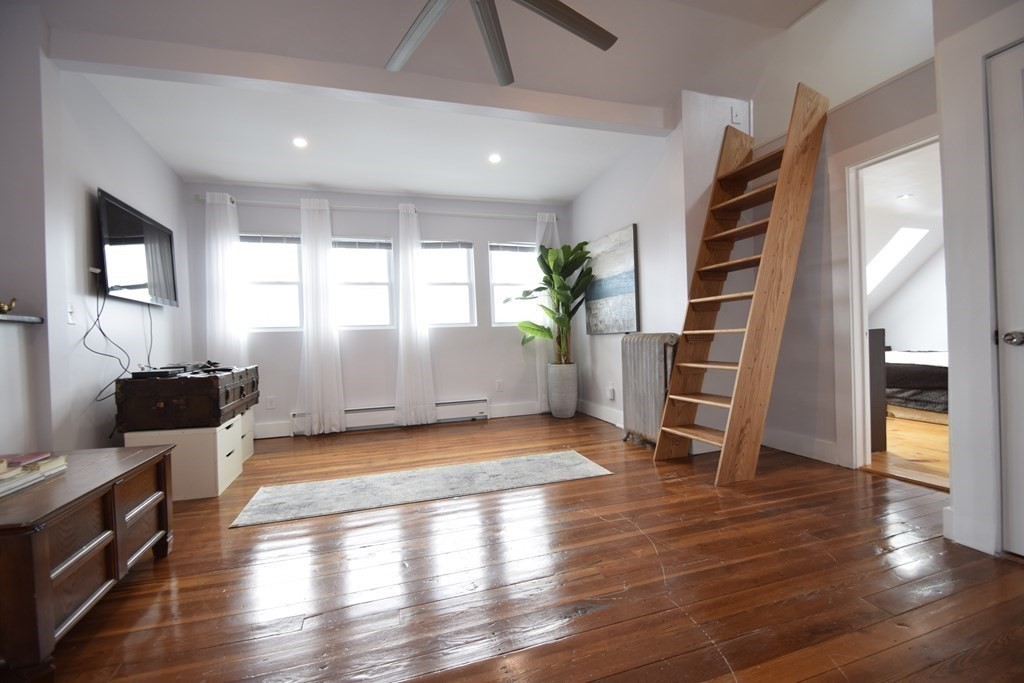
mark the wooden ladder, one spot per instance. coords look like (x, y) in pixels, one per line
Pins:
(790, 197)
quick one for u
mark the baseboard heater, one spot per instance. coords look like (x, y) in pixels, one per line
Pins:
(384, 416)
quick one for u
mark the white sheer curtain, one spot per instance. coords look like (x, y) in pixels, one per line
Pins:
(414, 393)
(321, 348)
(226, 334)
(547, 235)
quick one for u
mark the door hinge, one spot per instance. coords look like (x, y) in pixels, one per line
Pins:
(995, 337)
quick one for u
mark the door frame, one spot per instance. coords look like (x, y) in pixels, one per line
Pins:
(994, 227)
(850, 327)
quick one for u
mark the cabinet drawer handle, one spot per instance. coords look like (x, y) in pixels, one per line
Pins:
(230, 453)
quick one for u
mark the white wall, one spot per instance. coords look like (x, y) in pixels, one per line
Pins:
(60, 142)
(975, 518)
(812, 397)
(467, 361)
(801, 414)
(22, 257)
(88, 147)
(841, 48)
(663, 187)
(914, 317)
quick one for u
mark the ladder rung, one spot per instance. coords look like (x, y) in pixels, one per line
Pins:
(731, 266)
(741, 233)
(755, 169)
(709, 365)
(756, 197)
(706, 399)
(700, 335)
(715, 437)
(713, 303)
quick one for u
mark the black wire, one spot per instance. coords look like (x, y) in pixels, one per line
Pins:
(125, 363)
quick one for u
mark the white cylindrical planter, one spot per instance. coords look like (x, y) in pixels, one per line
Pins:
(562, 389)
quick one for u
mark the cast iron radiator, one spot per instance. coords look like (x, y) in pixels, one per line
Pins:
(646, 367)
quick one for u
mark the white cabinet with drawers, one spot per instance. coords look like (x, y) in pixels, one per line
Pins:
(205, 460)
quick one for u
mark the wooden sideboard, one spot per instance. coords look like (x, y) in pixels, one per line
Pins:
(66, 541)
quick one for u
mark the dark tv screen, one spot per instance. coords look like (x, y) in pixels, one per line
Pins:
(138, 254)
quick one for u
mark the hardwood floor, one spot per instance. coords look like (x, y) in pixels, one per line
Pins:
(808, 572)
(917, 452)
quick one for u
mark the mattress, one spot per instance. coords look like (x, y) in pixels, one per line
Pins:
(918, 380)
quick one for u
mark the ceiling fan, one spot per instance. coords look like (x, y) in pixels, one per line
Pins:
(490, 28)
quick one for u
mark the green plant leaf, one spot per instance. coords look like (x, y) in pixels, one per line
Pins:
(576, 308)
(542, 261)
(579, 288)
(531, 328)
(555, 260)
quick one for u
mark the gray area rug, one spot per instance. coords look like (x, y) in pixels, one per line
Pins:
(316, 498)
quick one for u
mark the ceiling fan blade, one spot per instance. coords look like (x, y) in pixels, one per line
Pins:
(428, 16)
(490, 28)
(572, 21)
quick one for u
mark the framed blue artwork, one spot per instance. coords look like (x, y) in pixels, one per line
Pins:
(613, 295)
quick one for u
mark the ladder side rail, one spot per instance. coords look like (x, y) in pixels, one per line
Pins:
(768, 308)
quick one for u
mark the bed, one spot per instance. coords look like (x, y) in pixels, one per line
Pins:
(912, 385)
(917, 385)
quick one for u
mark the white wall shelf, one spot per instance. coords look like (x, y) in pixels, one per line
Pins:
(27, 319)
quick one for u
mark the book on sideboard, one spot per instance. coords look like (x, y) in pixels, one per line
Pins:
(21, 470)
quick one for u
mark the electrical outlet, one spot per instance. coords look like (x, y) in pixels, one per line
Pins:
(610, 393)
(499, 385)
(71, 315)
(271, 402)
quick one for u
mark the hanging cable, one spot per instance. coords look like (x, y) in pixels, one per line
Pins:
(125, 363)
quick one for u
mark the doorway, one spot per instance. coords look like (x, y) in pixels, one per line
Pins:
(903, 300)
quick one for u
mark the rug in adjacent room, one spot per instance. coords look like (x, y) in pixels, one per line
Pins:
(333, 496)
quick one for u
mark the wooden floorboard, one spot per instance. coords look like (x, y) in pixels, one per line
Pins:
(654, 574)
(918, 452)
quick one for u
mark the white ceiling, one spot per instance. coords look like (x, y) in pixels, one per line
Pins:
(664, 46)
(242, 135)
(216, 134)
(915, 173)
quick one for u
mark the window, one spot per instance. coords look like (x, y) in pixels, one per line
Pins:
(273, 296)
(513, 269)
(362, 269)
(447, 278)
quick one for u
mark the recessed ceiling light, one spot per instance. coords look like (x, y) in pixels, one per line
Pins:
(891, 254)
(905, 195)
(494, 158)
(301, 143)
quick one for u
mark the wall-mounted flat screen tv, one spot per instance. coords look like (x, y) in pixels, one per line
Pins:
(138, 254)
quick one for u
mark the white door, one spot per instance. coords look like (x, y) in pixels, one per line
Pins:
(1006, 121)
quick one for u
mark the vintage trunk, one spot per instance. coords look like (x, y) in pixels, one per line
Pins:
(196, 399)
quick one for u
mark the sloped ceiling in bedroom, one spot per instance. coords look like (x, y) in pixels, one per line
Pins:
(902, 191)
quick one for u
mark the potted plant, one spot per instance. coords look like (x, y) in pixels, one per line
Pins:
(566, 277)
